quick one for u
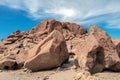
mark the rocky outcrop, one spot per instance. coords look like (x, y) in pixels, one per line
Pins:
(97, 51)
(8, 62)
(19, 43)
(110, 52)
(69, 30)
(49, 53)
(47, 46)
(90, 55)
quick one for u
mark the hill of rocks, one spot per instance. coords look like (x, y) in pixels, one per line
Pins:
(51, 43)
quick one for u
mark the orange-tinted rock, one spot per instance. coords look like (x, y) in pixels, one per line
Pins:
(8, 62)
(97, 51)
(49, 53)
(72, 44)
(117, 44)
(69, 30)
(90, 55)
(110, 52)
(116, 67)
(18, 43)
(21, 58)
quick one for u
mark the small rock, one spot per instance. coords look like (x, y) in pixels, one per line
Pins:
(27, 70)
(1, 71)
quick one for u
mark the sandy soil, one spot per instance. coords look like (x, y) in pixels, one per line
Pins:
(65, 73)
(108, 75)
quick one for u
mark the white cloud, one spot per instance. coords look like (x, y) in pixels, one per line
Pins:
(16, 4)
(80, 11)
(65, 13)
(32, 5)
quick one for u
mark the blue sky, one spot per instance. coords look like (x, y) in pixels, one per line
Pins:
(25, 14)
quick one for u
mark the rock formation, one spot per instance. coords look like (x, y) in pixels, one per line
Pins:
(49, 53)
(47, 46)
(19, 43)
(97, 51)
(117, 44)
(110, 52)
(116, 67)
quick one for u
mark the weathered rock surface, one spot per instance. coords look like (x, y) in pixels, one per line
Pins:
(47, 46)
(49, 53)
(117, 44)
(96, 52)
(116, 67)
(110, 52)
(18, 43)
(90, 55)
(69, 30)
(7, 62)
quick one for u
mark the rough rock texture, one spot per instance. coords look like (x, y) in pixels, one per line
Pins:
(72, 44)
(69, 30)
(90, 55)
(49, 53)
(13, 47)
(97, 51)
(7, 64)
(116, 67)
(110, 52)
(18, 43)
(117, 44)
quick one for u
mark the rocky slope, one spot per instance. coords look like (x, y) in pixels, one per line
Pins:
(51, 43)
(15, 47)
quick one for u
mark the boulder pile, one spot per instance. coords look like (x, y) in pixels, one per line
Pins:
(49, 44)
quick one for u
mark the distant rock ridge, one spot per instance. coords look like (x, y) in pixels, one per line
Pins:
(50, 43)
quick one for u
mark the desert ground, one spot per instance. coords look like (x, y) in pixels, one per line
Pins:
(66, 72)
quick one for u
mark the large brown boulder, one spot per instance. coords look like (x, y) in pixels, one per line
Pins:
(49, 53)
(110, 52)
(90, 55)
(96, 51)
